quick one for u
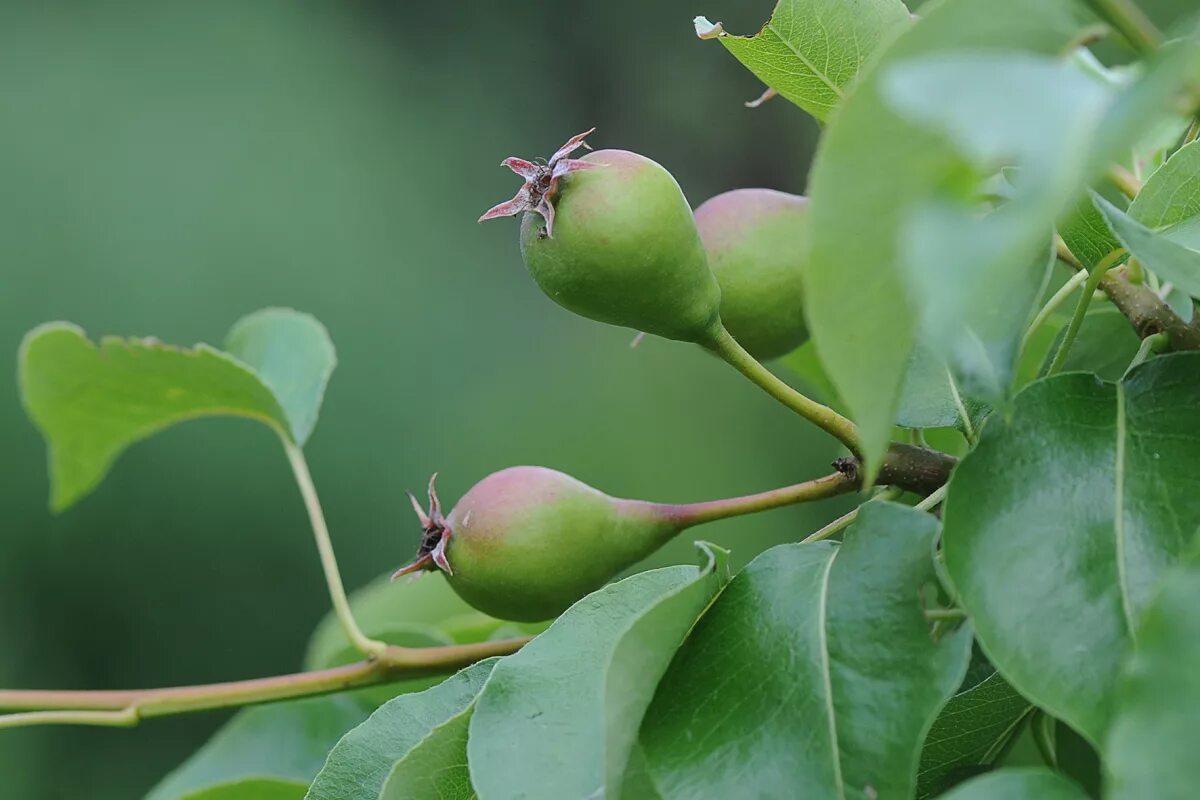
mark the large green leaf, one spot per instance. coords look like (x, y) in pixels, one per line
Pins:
(1157, 250)
(412, 746)
(1151, 749)
(1018, 784)
(811, 50)
(567, 706)
(814, 674)
(92, 401)
(857, 302)
(267, 752)
(1060, 521)
(972, 731)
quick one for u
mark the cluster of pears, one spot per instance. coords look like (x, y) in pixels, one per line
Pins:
(611, 237)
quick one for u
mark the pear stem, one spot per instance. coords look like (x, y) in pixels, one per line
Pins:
(688, 514)
(824, 417)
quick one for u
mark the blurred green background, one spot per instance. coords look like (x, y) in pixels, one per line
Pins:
(167, 167)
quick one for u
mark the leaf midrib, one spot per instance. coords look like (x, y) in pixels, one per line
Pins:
(833, 87)
(827, 677)
(1119, 510)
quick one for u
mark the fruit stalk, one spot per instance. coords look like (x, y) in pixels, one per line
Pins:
(824, 417)
(688, 514)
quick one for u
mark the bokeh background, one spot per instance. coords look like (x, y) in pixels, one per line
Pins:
(166, 167)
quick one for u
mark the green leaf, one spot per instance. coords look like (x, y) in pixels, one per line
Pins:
(1181, 304)
(1159, 253)
(293, 355)
(1171, 195)
(1163, 83)
(412, 746)
(1087, 233)
(1105, 345)
(861, 278)
(1018, 784)
(274, 748)
(932, 398)
(972, 731)
(964, 321)
(1059, 522)
(437, 767)
(810, 51)
(1151, 749)
(1077, 759)
(814, 674)
(567, 706)
(638, 783)
(91, 401)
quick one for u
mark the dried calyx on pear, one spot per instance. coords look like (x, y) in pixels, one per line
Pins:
(611, 237)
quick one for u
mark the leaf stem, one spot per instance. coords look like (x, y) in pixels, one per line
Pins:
(932, 614)
(1089, 288)
(689, 514)
(1056, 300)
(1192, 132)
(1154, 343)
(1130, 21)
(844, 521)
(128, 708)
(725, 346)
(333, 577)
(1125, 181)
(1041, 726)
(961, 407)
(934, 499)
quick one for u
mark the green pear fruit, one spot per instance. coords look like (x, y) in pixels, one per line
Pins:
(611, 237)
(756, 240)
(525, 543)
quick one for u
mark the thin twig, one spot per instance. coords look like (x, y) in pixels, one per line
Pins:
(126, 708)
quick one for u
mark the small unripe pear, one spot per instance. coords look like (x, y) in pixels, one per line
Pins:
(756, 240)
(525, 543)
(611, 237)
